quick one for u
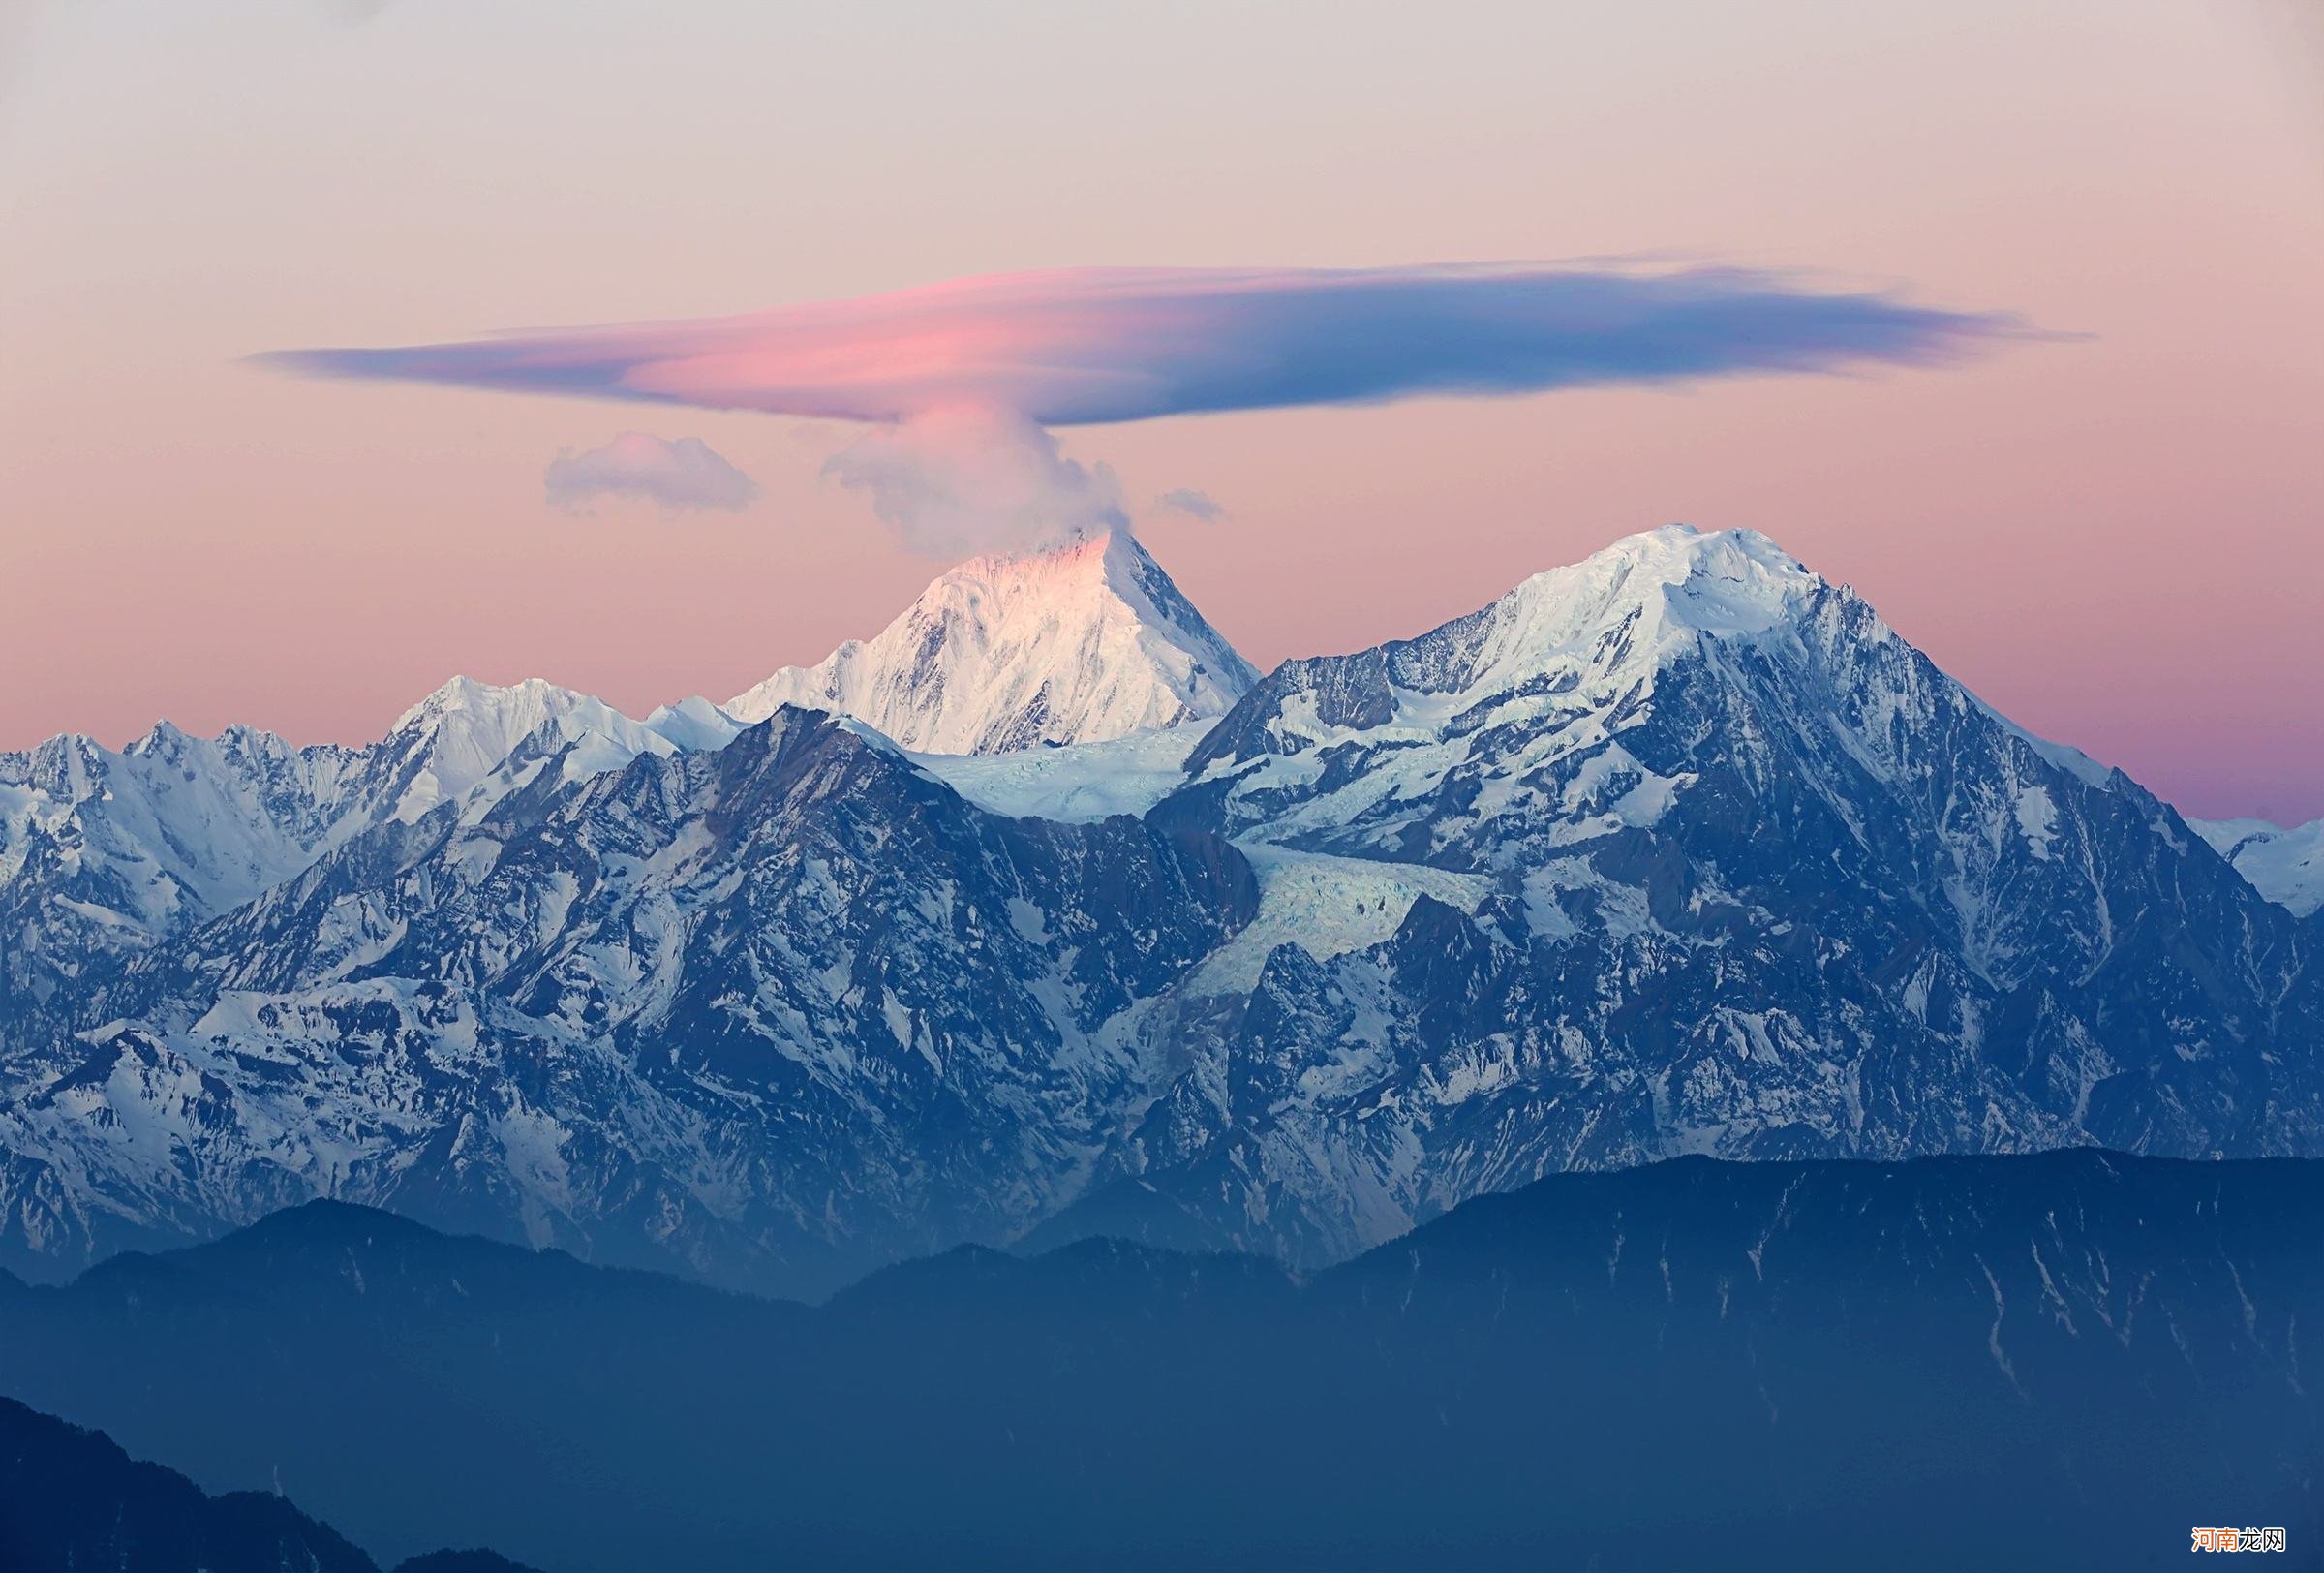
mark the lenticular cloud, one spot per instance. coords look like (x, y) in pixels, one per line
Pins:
(1100, 345)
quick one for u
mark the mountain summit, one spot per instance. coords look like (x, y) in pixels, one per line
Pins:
(1079, 644)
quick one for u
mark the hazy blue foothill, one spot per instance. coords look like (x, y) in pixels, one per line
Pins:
(2077, 1355)
(72, 1502)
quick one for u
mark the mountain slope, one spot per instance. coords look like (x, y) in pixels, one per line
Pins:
(2285, 866)
(1083, 643)
(72, 1502)
(2074, 1355)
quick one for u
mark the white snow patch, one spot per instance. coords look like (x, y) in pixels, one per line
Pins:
(2037, 819)
(1328, 907)
(1079, 784)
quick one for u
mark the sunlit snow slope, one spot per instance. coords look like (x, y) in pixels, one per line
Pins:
(1077, 645)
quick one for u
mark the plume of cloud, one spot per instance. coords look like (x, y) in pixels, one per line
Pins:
(1099, 345)
(1190, 503)
(966, 478)
(681, 475)
(961, 380)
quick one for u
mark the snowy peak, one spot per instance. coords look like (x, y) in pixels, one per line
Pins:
(171, 828)
(2284, 866)
(1631, 604)
(1087, 642)
(1588, 637)
(1715, 581)
(496, 717)
(102, 850)
(1676, 672)
(453, 740)
(695, 724)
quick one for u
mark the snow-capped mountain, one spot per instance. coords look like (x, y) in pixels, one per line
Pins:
(1680, 848)
(2285, 866)
(772, 1010)
(1080, 644)
(104, 853)
(1500, 735)
(443, 748)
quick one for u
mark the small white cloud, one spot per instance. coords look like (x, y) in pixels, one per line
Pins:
(680, 474)
(1193, 503)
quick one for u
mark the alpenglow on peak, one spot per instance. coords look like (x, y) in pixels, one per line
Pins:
(1087, 641)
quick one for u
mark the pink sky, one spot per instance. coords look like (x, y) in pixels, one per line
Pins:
(2113, 539)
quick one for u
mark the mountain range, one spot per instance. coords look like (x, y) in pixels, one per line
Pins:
(2060, 1359)
(1042, 916)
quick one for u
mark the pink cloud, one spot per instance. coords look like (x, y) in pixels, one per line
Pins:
(1130, 344)
(969, 478)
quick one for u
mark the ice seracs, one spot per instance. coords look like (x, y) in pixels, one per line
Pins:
(1083, 643)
